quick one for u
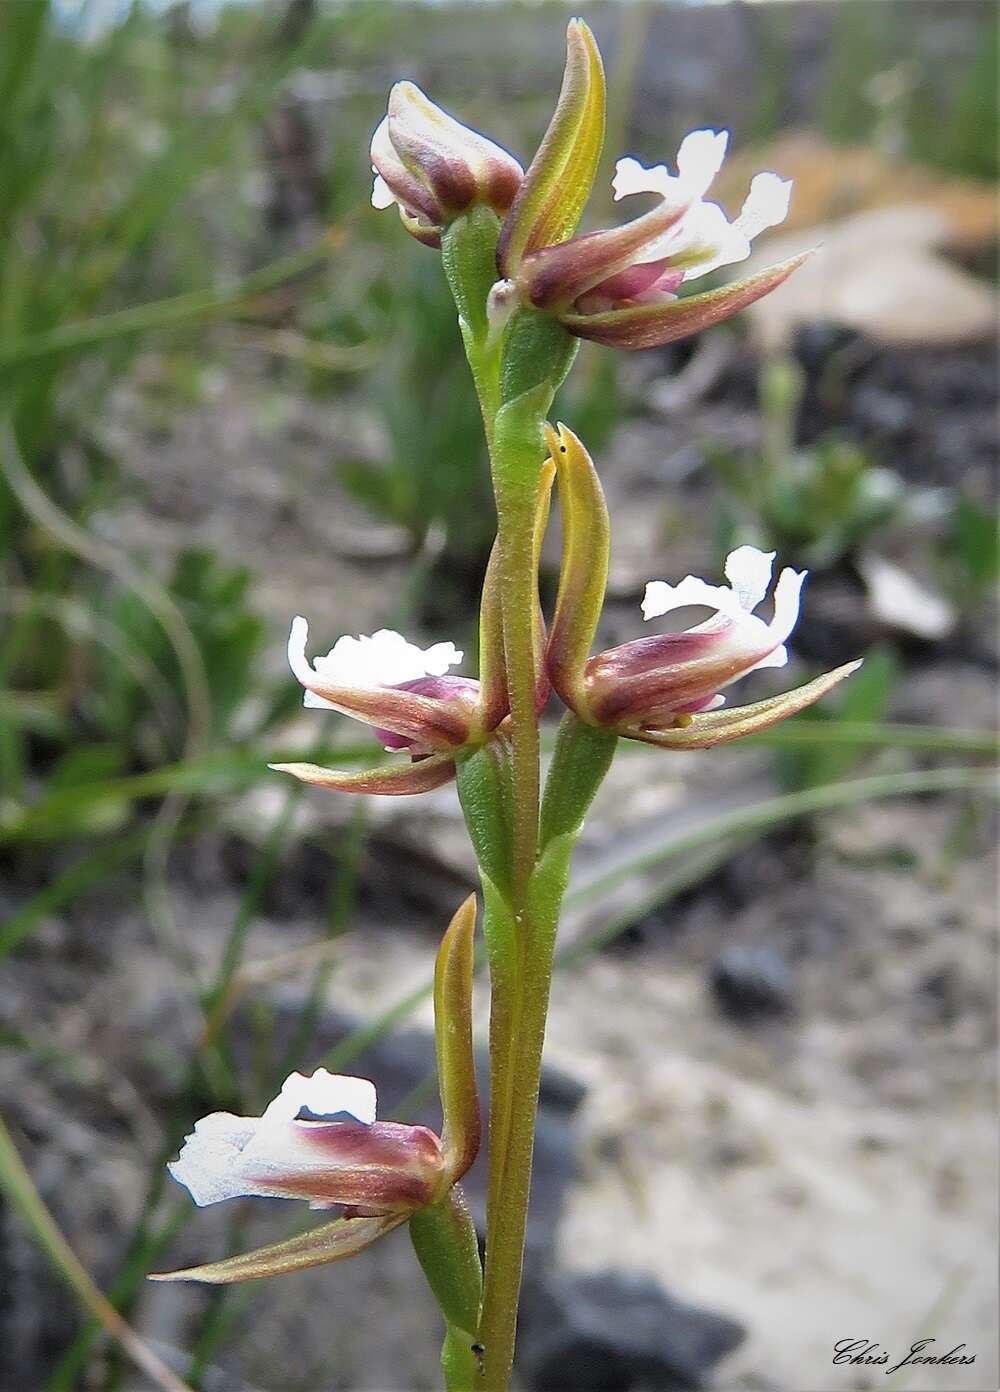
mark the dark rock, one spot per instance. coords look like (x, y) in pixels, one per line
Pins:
(610, 1332)
(751, 983)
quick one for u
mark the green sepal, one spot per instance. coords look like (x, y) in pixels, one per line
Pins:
(469, 257)
(493, 701)
(537, 352)
(582, 757)
(486, 795)
(583, 572)
(709, 728)
(444, 1239)
(456, 1059)
(328, 1243)
(557, 185)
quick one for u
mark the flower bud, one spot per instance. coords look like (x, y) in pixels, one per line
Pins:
(434, 168)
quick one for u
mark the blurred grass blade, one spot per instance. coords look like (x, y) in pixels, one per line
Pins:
(760, 815)
(213, 774)
(24, 1198)
(942, 739)
(727, 830)
(179, 311)
(101, 554)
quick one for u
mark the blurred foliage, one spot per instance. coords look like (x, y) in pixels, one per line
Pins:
(817, 505)
(970, 560)
(434, 474)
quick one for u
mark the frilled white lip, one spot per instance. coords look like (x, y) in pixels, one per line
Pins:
(224, 1151)
(704, 238)
(749, 574)
(383, 659)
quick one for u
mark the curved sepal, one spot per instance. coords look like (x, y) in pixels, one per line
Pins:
(650, 325)
(583, 574)
(720, 726)
(394, 780)
(329, 1243)
(559, 179)
(456, 1062)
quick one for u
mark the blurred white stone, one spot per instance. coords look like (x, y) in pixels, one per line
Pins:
(880, 273)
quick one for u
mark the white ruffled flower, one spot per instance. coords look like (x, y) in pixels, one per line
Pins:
(229, 1156)
(704, 238)
(749, 574)
(383, 659)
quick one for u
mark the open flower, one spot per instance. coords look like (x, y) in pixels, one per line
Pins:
(702, 238)
(408, 693)
(666, 689)
(318, 1140)
(433, 168)
(405, 692)
(620, 285)
(671, 674)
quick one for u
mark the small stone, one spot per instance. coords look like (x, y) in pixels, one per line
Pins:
(611, 1332)
(751, 983)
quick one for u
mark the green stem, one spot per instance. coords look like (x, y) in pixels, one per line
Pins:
(581, 759)
(515, 383)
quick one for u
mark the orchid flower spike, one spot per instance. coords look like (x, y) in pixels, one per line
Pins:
(666, 690)
(405, 692)
(433, 168)
(620, 286)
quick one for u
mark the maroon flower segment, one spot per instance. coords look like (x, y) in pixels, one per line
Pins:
(456, 693)
(385, 1167)
(665, 673)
